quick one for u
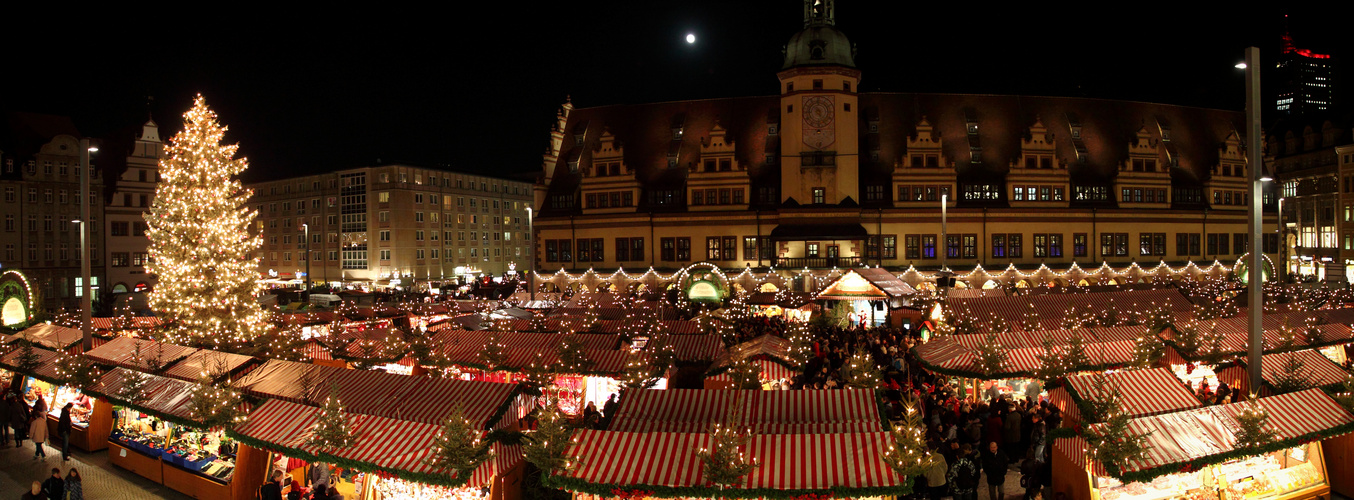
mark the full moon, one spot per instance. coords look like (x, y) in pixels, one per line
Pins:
(690, 38)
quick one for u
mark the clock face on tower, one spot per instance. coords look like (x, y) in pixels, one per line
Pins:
(819, 132)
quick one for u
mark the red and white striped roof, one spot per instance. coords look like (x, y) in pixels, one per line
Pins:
(1319, 369)
(120, 351)
(46, 359)
(52, 336)
(1202, 432)
(1052, 307)
(949, 353)
(1145, 392)
(164, 395)
(137, 322)
(770, 371)
(767, 412)
(788, 461)
(206, 360)
(695, 347)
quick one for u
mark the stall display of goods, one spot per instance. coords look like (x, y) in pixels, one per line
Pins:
(1252, 478)
(79, 412)
(208, 453)
(392, 488)
(147, 443)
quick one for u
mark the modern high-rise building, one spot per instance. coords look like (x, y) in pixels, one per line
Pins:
(1304, 80)
(128, 246)
(822, 175)
(40, 178)
(393, 225)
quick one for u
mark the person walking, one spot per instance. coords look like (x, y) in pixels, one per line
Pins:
(37, 428)
(63, 429)
(935, 476)
(1030, 475)
(994, 465)
(34, 493)
(75, 490)
(54, 487)
(963, 476)
(7, 402)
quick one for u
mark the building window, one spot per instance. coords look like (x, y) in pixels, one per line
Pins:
(1013, 245)
(1152, 244)
(998, 246)
(928, 246)
(970, 246)
(952, 246)
(819, 196)
(118, 228)
(811, 250)
(1079, 244)
(1114, 244)
(120, 259)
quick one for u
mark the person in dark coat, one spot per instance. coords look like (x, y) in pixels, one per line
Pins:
(54, 487)
(272, 490)
(994, 464)
(6, 405)
(63, 428)
(1030, 474)
(18, 420)
(35, 494)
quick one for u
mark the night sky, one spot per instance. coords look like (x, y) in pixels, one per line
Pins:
(476, 90)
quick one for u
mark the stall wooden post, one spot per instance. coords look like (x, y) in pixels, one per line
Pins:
(251, 470)
(1340, 464)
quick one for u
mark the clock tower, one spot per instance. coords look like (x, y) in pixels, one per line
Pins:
(819, 128)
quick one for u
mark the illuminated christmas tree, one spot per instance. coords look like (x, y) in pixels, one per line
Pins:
(908, 456)
(861, 371)
(200, 245)
(1253, 429)
(331, 430)
(572, 355)
(1293, 376)
(744, 374)
(211, 404)
(77, 370)
(724, 461)
(458, 448)
(494, 354)
(991, 354)
(1147, 350)
(545, 446)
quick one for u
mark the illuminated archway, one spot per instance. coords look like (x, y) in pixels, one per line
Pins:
(17, 298)
(768, 288)
(992, 285)
(1241, 268)
(120, 288)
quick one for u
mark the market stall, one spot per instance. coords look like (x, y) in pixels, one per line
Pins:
(666, 463)
(389, 455)
(90, 417)
(1192, 454)
(56, 338)
(1313, 370)
(139, 354)
(872, 293)
(957, 356)
(766, 412)
(1143, 392)
(214, 363)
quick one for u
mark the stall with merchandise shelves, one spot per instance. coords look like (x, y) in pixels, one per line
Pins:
(1192, 454)
(157, 438)
(91, 417)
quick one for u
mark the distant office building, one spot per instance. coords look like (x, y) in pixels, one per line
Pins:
(40, 180)
(392, 226)
(1304, 80)
(1314, 163)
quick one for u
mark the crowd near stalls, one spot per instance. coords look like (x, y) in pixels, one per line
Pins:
(694, 385)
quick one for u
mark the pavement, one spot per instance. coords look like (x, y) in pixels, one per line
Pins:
(102, 480)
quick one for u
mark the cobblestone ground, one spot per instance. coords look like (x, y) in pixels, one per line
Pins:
(101, 479)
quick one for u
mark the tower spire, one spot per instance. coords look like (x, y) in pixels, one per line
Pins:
(820, 13)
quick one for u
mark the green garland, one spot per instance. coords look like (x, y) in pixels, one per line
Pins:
(606, 490)
(168, 417)
(1146, 475)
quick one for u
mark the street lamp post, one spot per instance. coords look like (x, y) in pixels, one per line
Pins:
(1256, 168)
(1283, 245)
(531, 255)
(306, 227)
(86, 301)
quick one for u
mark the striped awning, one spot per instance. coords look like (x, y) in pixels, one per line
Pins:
(767, 412)
(1152, 391)
(1210, 431)
(766, 345)
(1061, 398)
(950, 354)
(207, 361)
(1074, 448)
(1319, 370)
(46, 367)
(121, 351)
(770, 371)
(278, 379)
(163, 395)
(52, 336)
(801, 462)
(695, 347)
(137, 322)
(1053, 307)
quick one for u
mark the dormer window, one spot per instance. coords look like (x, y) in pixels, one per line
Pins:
(677, 133)
(846, 86)
(817, 49)
(817, 85)
(1076, 132)
(789, 86)
(578, 140)
(973, 128)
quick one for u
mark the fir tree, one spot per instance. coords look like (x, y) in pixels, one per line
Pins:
(1147, 349)
(1052, 363)
(331, 430)
(1156, 317)
(66, 318)
(538, 324)
(538, 373)
(134, 387)
(545, 446)
(200, 243)
(1312, 334)
(1253, 429)
(744, 374)
(1114, 442)
(724, 461)
(641, 371)
(458, 448)
(861, 371)
(571, 357)
(1293, 376)
(28, 359)
(1075, 353)
(494, 354)
(909, 455)
(1030, 322)
(991, 355)
(1109, 315)
(801, 344)
(212, 404)
(1104, 400)
(77, 370)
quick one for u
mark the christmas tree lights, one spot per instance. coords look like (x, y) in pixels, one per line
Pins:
(724, 461)
(861, 371)
(991, 354)
(458, 448)
(201, 249)
(908, 456)
(545, 446)
(1253, 429)
(331, 430)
